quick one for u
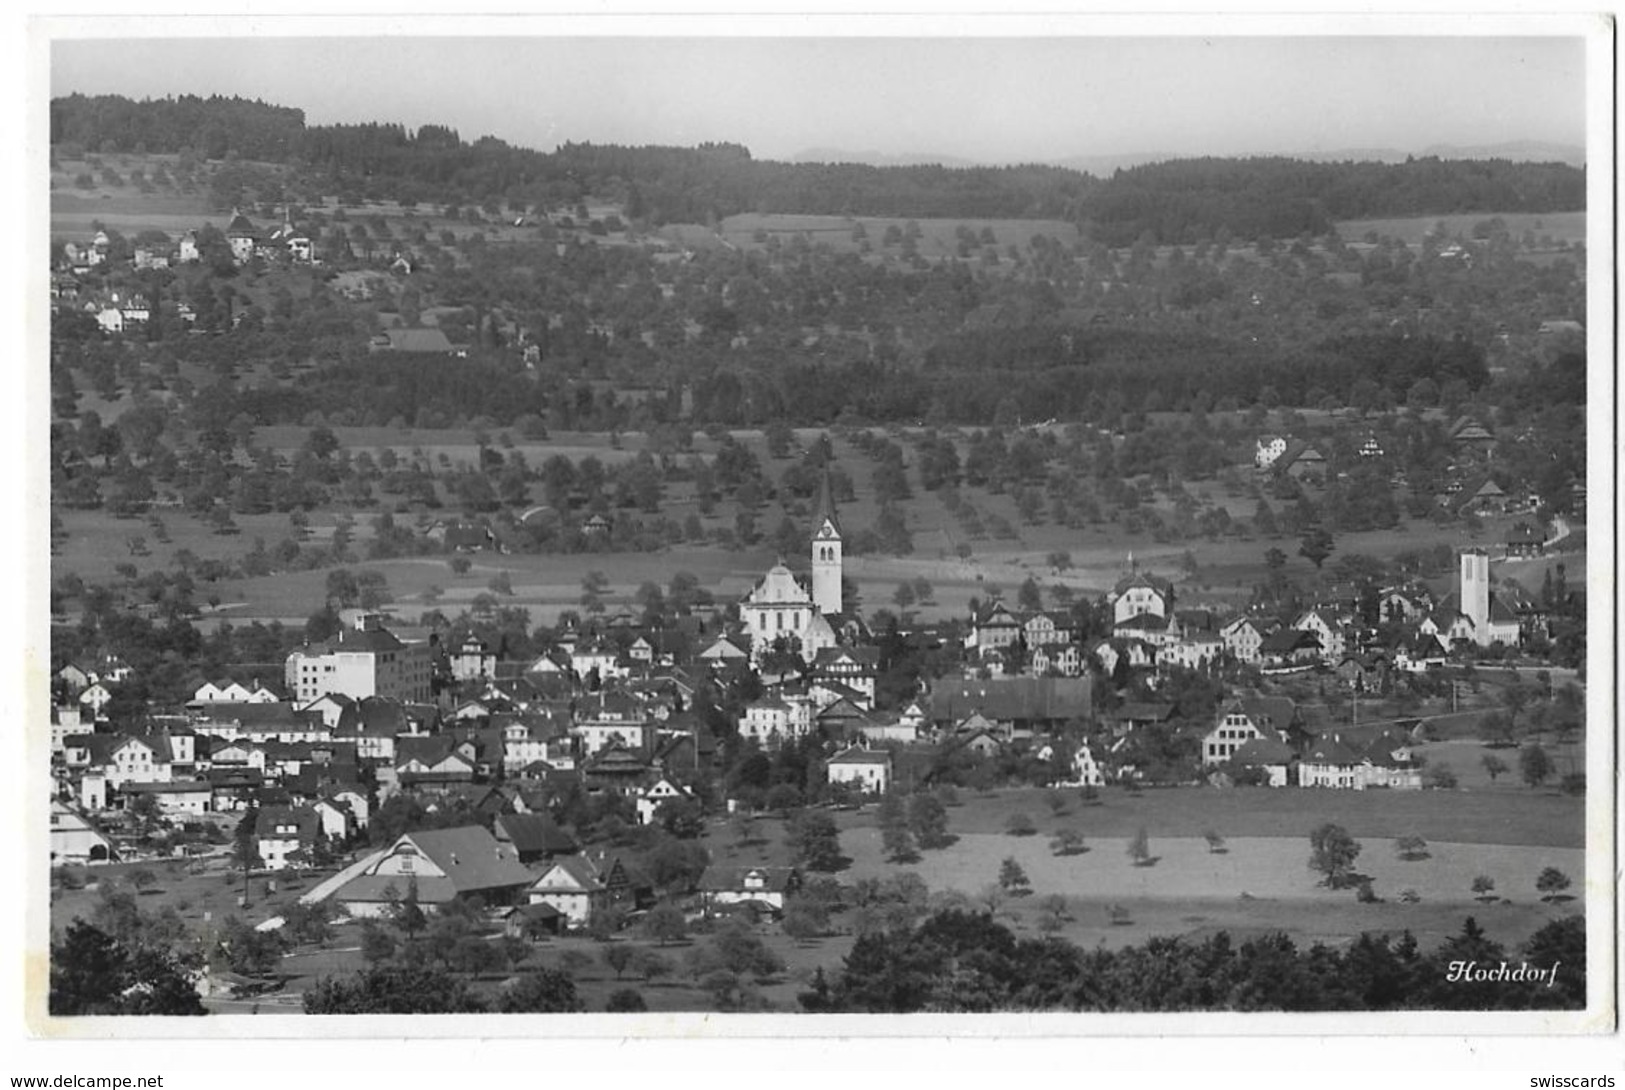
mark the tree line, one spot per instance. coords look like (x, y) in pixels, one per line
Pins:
(1179, 201)
(964, 962)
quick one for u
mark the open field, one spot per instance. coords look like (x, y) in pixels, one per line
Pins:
(1272, 868)
(1504, 816)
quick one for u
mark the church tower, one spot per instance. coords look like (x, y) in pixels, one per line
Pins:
(1475, 592)
(826, 553)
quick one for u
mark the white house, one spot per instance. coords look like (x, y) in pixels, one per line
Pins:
(651, 798)
(573, 886)
(869, 769)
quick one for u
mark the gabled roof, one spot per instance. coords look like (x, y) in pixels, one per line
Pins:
(1263, 751)
(1142, 622)
(1140, 579)
(471, 857)
(303, 818)
(536, 832)
(1013, 698)
(417, 340)
(1331, 751)
(725, 878)
(857, 755)
(578, 868)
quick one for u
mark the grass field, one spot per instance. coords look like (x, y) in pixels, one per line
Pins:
(1505, 816)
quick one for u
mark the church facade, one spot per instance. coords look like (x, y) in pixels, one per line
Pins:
(783, 612)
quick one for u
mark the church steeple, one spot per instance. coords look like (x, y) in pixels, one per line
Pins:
(826, 552)
(825, 511)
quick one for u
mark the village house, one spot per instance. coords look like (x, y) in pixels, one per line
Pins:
(1242, 639)
(280, 832)
(870, 770)
(441, 865)
(650, 799)
(723, 885)
(74, 838)
(572, 886)
(535, 838)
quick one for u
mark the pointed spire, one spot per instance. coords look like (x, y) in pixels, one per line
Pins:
(826, 504)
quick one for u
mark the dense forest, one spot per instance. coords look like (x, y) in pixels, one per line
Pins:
(1182, 201)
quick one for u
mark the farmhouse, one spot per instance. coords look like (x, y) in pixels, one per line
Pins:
(443, 865)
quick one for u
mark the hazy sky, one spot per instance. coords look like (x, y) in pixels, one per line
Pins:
(988, 98)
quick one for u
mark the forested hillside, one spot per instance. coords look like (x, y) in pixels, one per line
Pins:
(1181, 201)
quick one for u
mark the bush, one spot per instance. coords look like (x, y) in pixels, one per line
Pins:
(1020, 824)
(626, 1001)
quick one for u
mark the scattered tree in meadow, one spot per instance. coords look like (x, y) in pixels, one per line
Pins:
(1013, 878)
(1215, 842)
(1139, 847)
(618, 957)
(665, 924)
(1066, 841)
(1551, 883)
(1534, 765)
(815, 842)
(928, 820)
(895, 836)
(1494, 766)
(1332, 852)
(1411, 848)
(1484, 888)
(1020, 824)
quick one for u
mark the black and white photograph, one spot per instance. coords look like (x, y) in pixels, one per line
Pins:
(1049, 525)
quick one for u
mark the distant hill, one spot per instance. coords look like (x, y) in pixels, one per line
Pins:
(882, 159)
(1514, 151)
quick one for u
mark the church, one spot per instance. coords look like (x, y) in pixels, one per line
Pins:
(782, 608)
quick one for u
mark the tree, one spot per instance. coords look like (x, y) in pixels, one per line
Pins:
(815, 841)
(1066, 841)
(142, 878)
(1484, 888)
(1012, 878)
(1441, 777)
(1534, 765)
(895, 836)
(1316, 545)
(1493, 765)
(1411, 848)
(1215, 842)
(377, 944)
(805, 919)
(625, 1001)
(1332, 853)
(928, 820)
(1139, 847)
(541, 991)
(618, 956)
(1551, 883)
(1020, 824)
(93, 973)
(406, 913)
(393, 989)
(665, 924)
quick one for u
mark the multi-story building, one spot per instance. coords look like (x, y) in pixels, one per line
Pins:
(363, 660)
